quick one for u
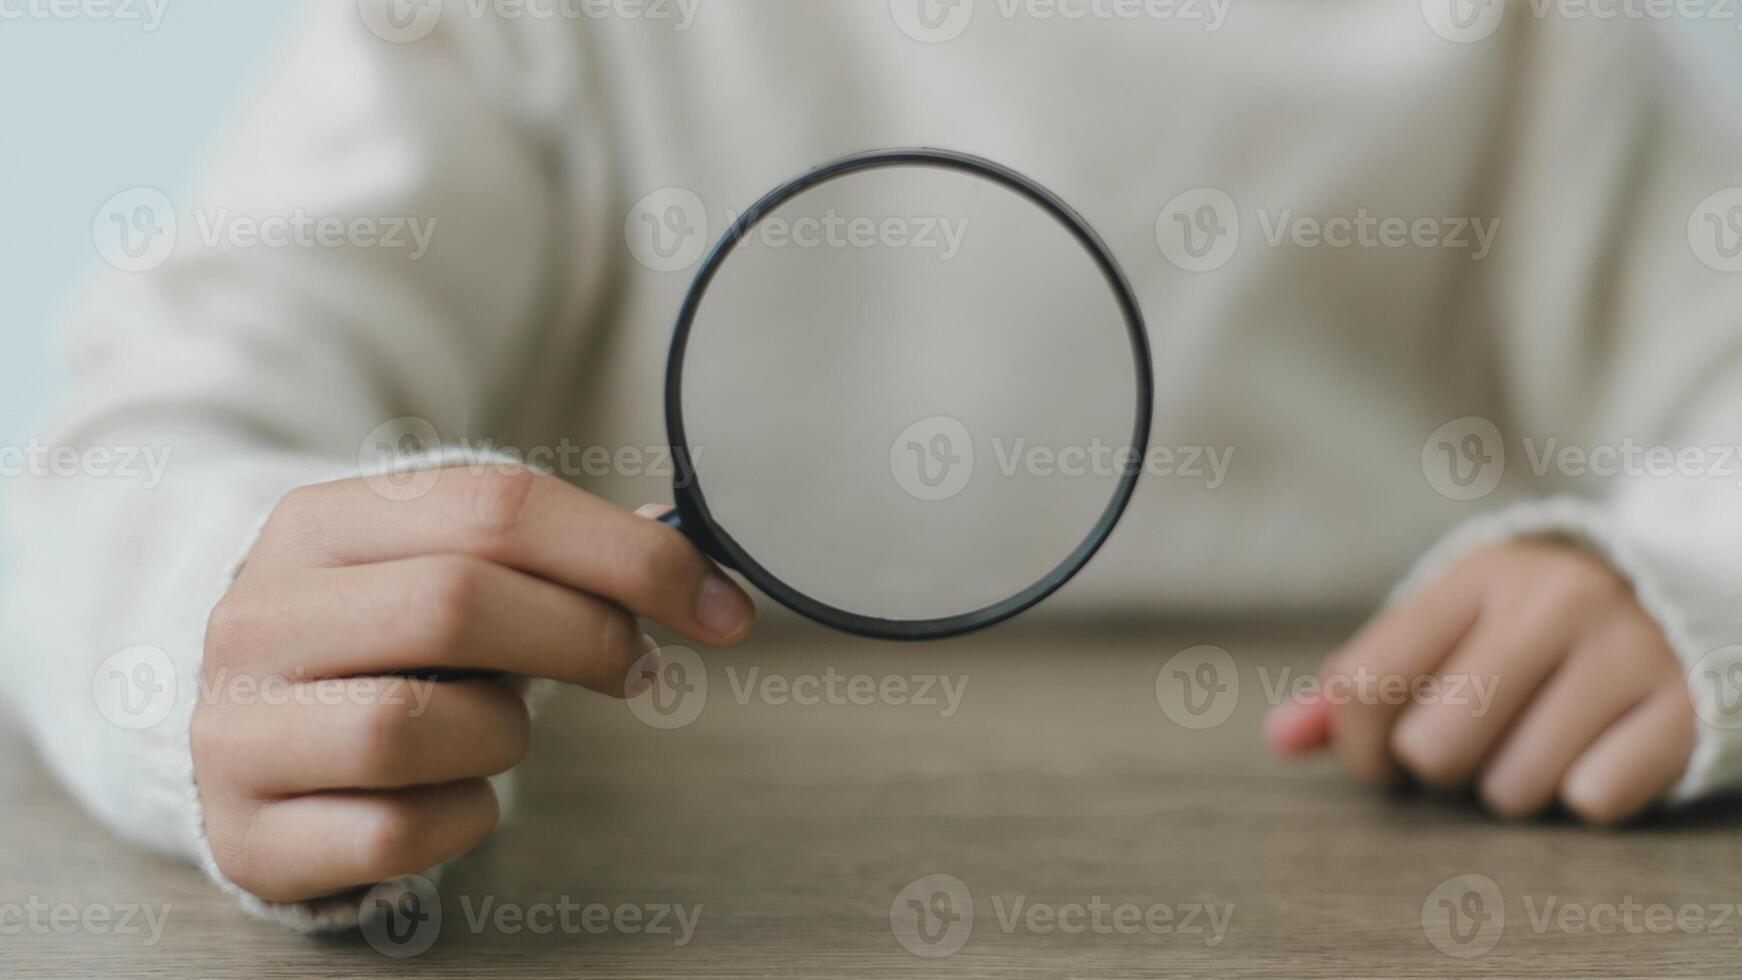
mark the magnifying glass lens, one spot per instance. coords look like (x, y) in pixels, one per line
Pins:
(910, 393)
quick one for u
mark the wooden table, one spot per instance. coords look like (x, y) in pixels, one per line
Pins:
(801, 830)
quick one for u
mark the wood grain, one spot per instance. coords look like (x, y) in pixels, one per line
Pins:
(1058, 780)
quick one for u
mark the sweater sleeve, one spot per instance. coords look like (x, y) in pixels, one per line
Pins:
(365, 268)
(1614, 299)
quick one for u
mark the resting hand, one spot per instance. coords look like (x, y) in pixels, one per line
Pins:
(1565, 688)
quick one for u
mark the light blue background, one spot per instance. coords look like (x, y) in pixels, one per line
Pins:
(93, 107)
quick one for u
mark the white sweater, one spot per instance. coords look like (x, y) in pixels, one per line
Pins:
(1602, 311)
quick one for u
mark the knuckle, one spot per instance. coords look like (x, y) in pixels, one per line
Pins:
(1338, 665)
(231, 628)
(1509, 800)
(1362, 759)
(1351, 705)
(292, 521)
(452, 589)
(518, 731)
(1428, 757)
(482, 809)
(386, 840)
(239, 851)
(234, 858)
(206, 740)
(512, 722)
(651, 568)
(494, 501)
(382, 741)
(237, 867)
(1358, 744)
(293, 505)
(1579, 581)
(1595, 805)
(1546, 584)
(1630, 644)
(663, 572)
(619, 637)
(1478, 566)
(1344, 711)
(1549, 609)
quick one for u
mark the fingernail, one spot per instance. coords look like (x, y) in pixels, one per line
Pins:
(646, 670)
(722, 608)
(651, 510)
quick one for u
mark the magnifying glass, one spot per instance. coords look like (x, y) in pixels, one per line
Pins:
(908, 395)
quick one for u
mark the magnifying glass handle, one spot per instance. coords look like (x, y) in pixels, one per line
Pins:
(674, 519)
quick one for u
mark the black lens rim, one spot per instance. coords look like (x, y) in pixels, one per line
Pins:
(698, 522)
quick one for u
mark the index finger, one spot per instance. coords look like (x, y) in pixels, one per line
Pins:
(524, 520)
